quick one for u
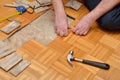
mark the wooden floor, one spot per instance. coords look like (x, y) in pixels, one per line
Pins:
(50, 63)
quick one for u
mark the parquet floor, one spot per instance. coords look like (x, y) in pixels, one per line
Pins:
(50, 63)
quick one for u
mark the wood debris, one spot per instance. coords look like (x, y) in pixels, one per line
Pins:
(75, 4)
(20, 67)
(11, 26)
(10, 61)
(6, 51)
(40, 5)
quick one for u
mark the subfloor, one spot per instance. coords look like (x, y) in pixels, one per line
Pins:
(48, 62)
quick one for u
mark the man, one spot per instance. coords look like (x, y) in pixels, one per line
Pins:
(106, 12)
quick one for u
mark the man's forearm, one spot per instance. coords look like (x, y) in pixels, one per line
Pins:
(103, 7)
(58, 6)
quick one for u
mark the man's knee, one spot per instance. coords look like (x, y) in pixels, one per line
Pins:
(105, 22)
(91, 4)
(109, 24)
(111, 20)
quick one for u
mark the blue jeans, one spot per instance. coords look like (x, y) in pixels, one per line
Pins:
(110, 20)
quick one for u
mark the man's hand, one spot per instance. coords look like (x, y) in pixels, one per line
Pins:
(61, 22)
(83, 26)
(103, 7)
(61, 25)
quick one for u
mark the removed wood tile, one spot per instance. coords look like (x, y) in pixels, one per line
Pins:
(44, 2)
(34, 4)
(1, 43)
(39, 6)
(6, 50)
(74, 4)
(20, 67)
(41, 30)
(10, 61)
(11, 26)
(41, 9)
(24, 3)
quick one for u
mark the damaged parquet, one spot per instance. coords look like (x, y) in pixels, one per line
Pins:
(41, 29)
(74, 4)
(20, 67)
(10, 61)
(50, 63)
(11, 26)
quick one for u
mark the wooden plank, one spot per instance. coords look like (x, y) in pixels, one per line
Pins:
(46, 2)
(11, 26)
(74, 4)
(10, 61)
(5, 49)
(38, 30)
(41, 9)
(1, 43)
(6, 52)
(20, 67)
(37, 5)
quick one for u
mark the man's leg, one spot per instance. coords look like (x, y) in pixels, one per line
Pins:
(111, 20)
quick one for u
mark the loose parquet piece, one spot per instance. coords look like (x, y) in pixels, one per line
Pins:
(5, 49)
(74, 4)
(11, 26)
(10, 61)
(6, 52)
(20, 67)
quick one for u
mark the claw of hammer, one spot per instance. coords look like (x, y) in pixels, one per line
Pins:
(70, 57)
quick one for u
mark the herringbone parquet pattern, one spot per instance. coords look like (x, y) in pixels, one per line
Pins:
(50, 63)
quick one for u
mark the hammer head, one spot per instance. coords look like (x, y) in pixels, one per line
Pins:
(70, 57)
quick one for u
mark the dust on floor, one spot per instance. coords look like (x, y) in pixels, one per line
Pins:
(41, 30)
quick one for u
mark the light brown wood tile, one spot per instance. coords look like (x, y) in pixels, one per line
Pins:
(19, 67)
(10, 61)
(50, 63)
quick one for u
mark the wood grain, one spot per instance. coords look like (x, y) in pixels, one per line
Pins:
(50, 63)
(10, 61)
(11, 26)
(20, 67)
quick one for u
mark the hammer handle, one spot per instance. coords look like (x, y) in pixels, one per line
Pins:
(97, 64)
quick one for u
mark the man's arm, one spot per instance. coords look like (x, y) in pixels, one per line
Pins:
(103, 7)
(58, 6)
(61, 22)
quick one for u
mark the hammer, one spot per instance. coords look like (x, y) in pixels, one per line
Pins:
(70, 58)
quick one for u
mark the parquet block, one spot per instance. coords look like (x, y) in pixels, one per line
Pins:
(82, 74)
(83, 44)
(11, 26)
(5, 49)
(49, 62)
(19, 67)
(6, 52)
(74, 4)
(101, 52)
(51, 74)
(112, 74)
(61, 45)
(32, 48)
(10, 61)
(110, 41)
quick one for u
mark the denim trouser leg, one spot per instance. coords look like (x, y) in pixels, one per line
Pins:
(110, 20)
